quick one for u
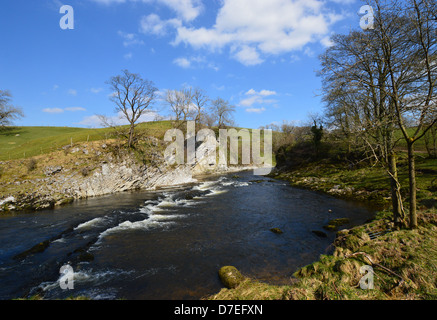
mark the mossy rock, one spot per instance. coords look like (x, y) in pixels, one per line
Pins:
(335, 223)
(230, 277)
(340, 222)
(330, 227)
(276, 230)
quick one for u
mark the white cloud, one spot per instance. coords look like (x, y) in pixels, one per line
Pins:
(194, 62)
(256, 110)
(128, 56)
(96, 90)
(187, 10)
(130, 39)
(72, 92)
(152, 24)
(327, 42)
(118, 119)
(248, 56)
(182, 62)
(75, 109)
(91, 121)
(53, 110)
(254, 97)
(266, 93)
(59, 110)
(252, 28)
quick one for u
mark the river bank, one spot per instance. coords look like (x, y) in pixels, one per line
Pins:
(89, 170)
(403, 261)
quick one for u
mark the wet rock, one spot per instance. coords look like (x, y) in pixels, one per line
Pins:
(40, 247)
(230, 277)
(320, 234)
(276, 230)
(85, 257)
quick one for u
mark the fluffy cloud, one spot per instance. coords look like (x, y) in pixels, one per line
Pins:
(59, 110)
(256, 110)
(152, 24)
(130, 39)
(53, 110)
(118, 119)
(252, 28)
(194, 62)
(72, 92)
(187, 10)
(254, 97)
(75, 109)
(182, 62)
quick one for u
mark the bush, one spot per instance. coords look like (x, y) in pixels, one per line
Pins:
(31, 165)
(85, 171)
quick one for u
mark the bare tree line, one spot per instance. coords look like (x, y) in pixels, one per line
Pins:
(194, 104)
(135, 97)
(374, 80)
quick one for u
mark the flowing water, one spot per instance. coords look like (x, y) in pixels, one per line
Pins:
(169, 243)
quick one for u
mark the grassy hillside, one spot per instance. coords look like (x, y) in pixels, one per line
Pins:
(27, 142)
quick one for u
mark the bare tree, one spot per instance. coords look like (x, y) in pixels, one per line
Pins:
(180, 103)
(223, 111)
(133, 97)
(421, 102)
(355, 84)
(384, 76)
(8, 113)
(200, 101)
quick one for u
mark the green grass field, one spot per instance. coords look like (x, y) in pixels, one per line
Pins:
(27, 142)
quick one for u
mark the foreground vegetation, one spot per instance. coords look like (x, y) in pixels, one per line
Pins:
(404, 260)
(404, 264)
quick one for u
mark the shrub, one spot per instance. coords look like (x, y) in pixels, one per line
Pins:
(85, 171)
(31, 165)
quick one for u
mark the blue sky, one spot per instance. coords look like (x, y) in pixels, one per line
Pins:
(261, 55)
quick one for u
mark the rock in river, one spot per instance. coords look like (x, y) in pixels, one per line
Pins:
(230, 276)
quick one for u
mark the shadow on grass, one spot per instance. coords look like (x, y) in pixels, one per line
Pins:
(10, 131)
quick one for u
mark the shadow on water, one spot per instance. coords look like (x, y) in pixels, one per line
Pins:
(169, 243)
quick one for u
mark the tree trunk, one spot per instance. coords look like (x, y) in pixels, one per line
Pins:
(398, 214)
(412, 178)
(131, 135)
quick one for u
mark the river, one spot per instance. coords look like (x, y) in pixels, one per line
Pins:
(169, 243)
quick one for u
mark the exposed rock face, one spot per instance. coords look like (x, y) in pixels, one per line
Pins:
(60, 188)
(63, 186)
